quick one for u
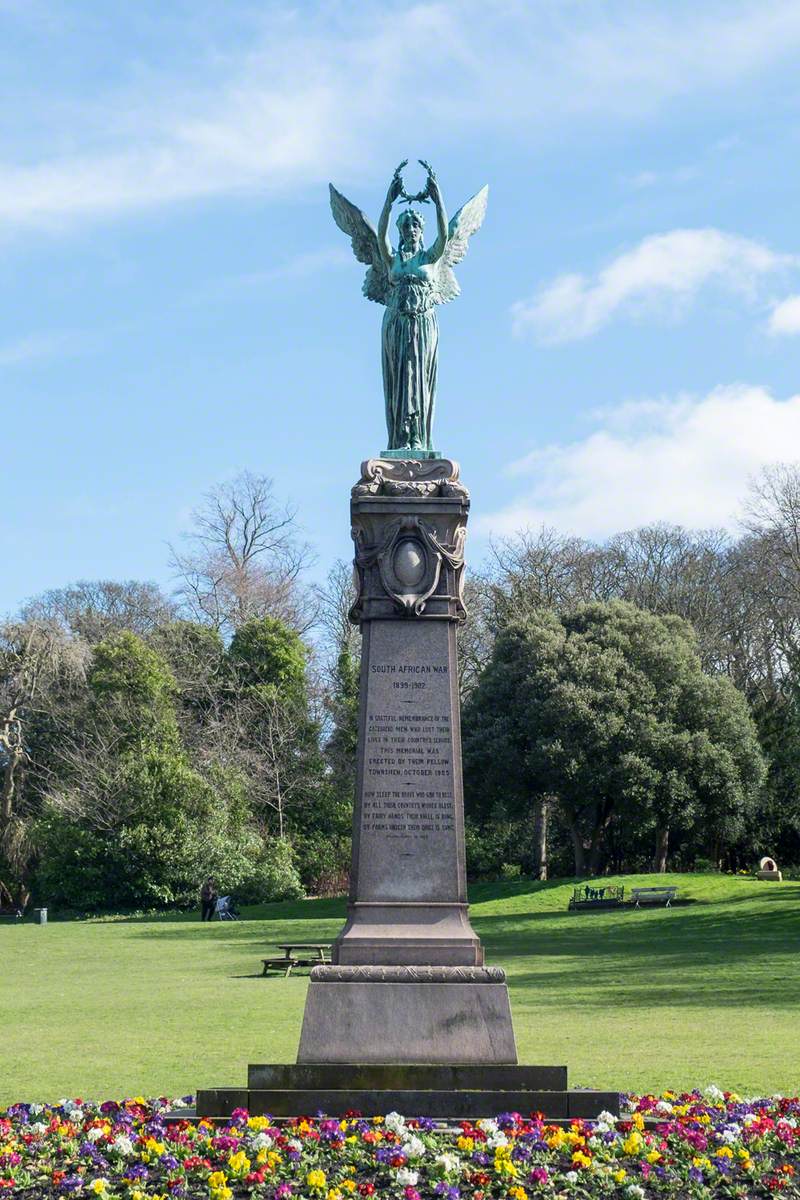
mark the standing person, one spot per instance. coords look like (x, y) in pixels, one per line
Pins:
(208, 899)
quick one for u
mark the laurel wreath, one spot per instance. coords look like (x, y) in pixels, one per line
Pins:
(420, 197)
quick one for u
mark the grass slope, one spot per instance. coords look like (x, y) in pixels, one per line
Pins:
(640, 1000)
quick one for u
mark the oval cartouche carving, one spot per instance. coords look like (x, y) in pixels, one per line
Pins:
(409, 563)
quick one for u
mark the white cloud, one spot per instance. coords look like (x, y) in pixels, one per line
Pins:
(785, 316)
(686, 460)
(664, 268)
(322, 90)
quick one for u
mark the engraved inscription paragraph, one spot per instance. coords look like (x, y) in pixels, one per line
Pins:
(407, 827)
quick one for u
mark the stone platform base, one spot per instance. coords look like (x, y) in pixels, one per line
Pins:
(455, 1092)
(407, 1015)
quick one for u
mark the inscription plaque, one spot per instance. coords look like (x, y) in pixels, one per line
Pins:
(407, 845)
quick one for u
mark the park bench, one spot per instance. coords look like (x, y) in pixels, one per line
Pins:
(587, 896)
(653, 895)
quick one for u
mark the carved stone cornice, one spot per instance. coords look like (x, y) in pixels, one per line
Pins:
(409, 477)
(410, 974)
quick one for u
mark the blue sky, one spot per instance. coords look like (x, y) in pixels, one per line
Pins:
(178, 304)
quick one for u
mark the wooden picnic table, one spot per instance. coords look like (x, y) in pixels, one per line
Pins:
(289, 959)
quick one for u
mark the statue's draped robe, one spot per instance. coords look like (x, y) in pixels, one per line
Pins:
(410, 350)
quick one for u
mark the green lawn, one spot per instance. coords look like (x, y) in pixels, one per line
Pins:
(641, 1000)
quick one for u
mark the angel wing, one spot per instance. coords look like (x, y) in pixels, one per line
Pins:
(364, 241)
(467, 221)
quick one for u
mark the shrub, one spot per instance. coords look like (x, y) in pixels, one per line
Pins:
(271, 875)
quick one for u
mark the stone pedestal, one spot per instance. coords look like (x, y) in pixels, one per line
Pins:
(407, 1017)
(408, 983)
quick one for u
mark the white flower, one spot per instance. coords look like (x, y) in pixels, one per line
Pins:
(123, 1145)
(294, 1144)
(749, 1119)
(36, 1109)
(94, 1135)
(607, 1118)
(38, 1127)
(488, 1127)
(395, 1123)
(413, 1147)
(634, 1191)
(713, 1094)
(448, 1162)
(664, 1106)
(571, 1176)
(731, 1134)
(261, 1141)
(406, 1178)
(497, 1139)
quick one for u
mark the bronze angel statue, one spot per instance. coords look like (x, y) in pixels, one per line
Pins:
(410, 281)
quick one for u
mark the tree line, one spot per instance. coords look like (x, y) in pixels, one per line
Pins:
(627, 703)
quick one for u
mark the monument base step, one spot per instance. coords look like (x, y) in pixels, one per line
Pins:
(407, 1015)
(459, 1104)
(414, 1077)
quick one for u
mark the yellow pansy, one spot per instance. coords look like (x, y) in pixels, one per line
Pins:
(334, 1194)
(633, 1143)
(316, 1179)
(239, 1163)
(98, 1186)
(638, 1120)
(619, 1175)
(261, 1157)
(217, 1179)
(349, 1185)
(579, 1159)
(653, 1156)
(466, 1143)
(258, 1123)
(504, 1166)
(223, 1193)
(724, 1152)
(517, 1193)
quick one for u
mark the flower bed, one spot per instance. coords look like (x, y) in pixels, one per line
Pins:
(688, 1145)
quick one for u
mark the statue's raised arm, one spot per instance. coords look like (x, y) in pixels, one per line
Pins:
(410, 281)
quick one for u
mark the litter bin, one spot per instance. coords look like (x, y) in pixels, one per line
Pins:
(40, 916)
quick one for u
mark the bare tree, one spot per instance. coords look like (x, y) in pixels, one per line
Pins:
(94, 609)
(256, 733)
(336, 598)
(40, 664)
(243, 558)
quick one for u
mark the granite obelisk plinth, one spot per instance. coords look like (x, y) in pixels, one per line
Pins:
(407, 983)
